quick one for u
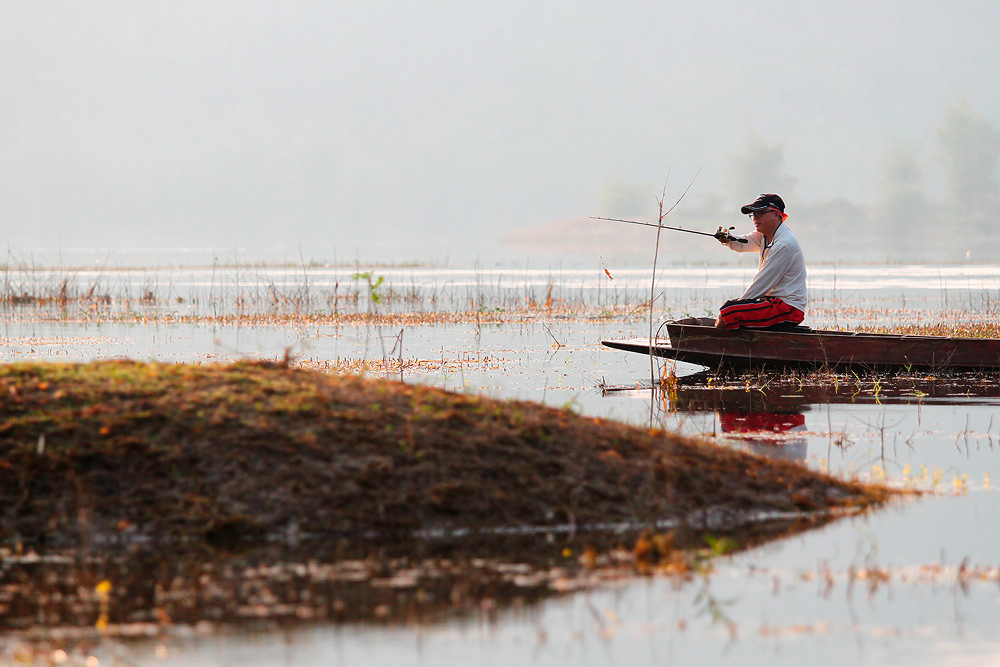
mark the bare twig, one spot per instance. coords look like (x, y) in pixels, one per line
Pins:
(556, 340)
(652, 286)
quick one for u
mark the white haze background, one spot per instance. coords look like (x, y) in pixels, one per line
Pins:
(461, 131)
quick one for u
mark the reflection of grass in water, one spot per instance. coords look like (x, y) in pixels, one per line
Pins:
(140, 592)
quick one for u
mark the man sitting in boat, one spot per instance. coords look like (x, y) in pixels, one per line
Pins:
(777, 294)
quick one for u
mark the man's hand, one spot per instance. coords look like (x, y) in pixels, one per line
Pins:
(723, 235)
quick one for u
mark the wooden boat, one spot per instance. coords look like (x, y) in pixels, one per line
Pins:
(696, 340)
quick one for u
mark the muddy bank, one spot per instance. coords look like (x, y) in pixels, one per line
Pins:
(219, 455)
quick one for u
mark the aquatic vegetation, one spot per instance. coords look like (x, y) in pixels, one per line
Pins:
(374, 295)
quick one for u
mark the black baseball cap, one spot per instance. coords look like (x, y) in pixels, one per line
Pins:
(764, 202)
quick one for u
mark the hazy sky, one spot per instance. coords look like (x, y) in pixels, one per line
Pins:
(424, 130)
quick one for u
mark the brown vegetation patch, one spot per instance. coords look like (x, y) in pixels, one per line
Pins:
(963, 329)
(218, 453)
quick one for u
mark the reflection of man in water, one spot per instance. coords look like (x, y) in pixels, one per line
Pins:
(753, 428)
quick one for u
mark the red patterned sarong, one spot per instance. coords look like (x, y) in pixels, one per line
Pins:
(759, 313)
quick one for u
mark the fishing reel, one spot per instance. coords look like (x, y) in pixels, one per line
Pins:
(724, 236)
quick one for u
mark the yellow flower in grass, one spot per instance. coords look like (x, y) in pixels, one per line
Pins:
(103, 589)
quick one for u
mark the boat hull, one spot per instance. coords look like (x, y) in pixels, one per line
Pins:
(698, 341)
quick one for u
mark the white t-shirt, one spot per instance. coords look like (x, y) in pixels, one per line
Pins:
(782, 271)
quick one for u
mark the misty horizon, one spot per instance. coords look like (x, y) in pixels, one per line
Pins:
(442, 132)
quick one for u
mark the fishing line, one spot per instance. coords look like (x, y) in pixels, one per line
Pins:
(597, 243)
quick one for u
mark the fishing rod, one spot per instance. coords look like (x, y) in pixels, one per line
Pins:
(719, 235)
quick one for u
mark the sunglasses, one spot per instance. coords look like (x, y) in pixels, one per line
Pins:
(760, 214)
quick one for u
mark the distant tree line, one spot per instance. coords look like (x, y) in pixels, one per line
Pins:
(908, 219)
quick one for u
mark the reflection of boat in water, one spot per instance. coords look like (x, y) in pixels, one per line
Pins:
(696, 340)
(771, 419)
(796, 396)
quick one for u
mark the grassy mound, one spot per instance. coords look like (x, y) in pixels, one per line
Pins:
(220, 453)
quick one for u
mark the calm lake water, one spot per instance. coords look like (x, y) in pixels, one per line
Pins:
(914, 584)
